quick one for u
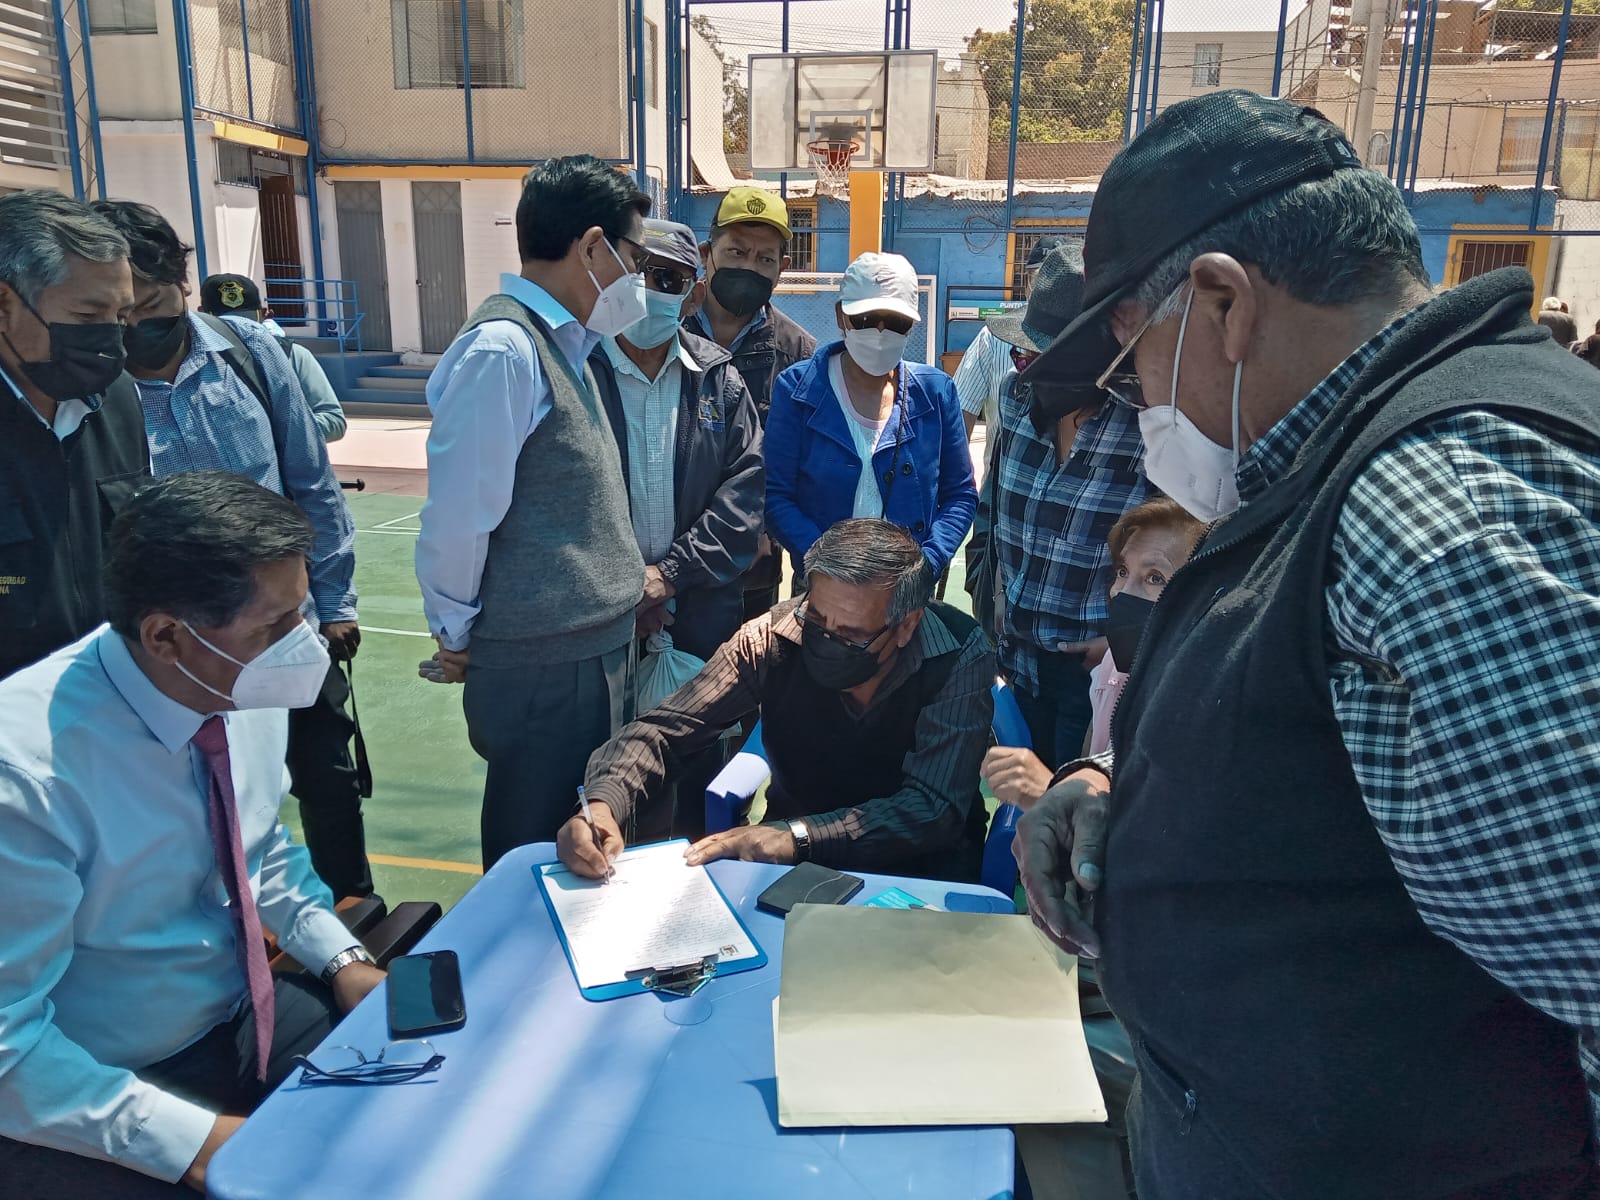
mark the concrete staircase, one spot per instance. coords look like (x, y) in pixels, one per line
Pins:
(391, 384)
(372, 382)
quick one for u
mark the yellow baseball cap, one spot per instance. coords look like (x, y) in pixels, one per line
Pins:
(754, 204)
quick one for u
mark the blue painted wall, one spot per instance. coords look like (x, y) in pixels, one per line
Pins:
(963, 242)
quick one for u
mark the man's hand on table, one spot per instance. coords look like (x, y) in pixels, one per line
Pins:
(748, 843)
(1058, 849)
(1015, 776)
(575, 842)
(353, 982)
(221, 1130)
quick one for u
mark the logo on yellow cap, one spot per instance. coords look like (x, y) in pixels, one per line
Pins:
(755, 206)
(231, 294)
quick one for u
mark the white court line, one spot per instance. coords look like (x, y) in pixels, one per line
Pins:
(399, 632)
(410, 533)
(397, 520)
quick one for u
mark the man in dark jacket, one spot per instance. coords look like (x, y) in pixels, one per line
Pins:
(72, 441)
(1348, 820)
(690, 441)
(745, 256)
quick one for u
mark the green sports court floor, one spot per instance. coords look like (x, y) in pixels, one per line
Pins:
(422, 820)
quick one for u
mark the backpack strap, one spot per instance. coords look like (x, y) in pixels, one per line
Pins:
(243, 364)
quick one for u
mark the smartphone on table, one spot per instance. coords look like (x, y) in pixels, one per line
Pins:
(425, 994)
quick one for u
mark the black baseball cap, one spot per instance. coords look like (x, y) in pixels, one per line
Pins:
(1056, 298)
(1040, 252)
(223, 294)
(1198, 162)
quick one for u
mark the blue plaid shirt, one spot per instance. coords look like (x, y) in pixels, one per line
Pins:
(1051, 523)
(208, 419)
(1463, 615)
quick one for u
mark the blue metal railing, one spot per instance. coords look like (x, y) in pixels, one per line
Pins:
(332, 308)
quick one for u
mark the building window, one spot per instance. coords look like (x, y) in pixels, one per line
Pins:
(1476, 258)
(652, 62)
(1519, 142)
(428, 44)
(803, 236)
(1207, 65)
(1022, 245)
(122, 16)
(1578, 166)
(247, 166)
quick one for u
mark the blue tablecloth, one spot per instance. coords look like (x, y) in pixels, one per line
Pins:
(547, 1095)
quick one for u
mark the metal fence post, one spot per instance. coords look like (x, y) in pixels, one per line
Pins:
(641, 100)
(1549, 114)
(466, 77)
(180, 20)
(1422, 95)
(69, 99)
(1277, 58)
(1133, 69)
(249, 85)
(1016, 107)
(1155, 75)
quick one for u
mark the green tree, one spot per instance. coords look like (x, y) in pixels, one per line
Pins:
(1587, 7)
(735, 95)
(1074, 70)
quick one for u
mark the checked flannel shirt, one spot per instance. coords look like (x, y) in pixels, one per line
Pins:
(1051, 523)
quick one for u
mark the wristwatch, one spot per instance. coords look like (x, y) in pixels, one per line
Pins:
(802, 839)
(343, 959)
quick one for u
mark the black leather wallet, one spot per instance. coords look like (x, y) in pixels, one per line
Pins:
(808, 883)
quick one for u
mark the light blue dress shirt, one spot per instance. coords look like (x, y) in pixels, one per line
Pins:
(487, 395)
(208, 419)
(650, 413)
(117, 947)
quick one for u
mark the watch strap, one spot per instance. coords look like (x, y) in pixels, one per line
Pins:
(343, 959)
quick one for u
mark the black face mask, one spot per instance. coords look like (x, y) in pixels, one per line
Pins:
(834, 663)
(84, 359)
(155, 341)
(1126, 617)
(1049, 402)
(741, 291)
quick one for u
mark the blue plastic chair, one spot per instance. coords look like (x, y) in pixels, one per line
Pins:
(731, 790)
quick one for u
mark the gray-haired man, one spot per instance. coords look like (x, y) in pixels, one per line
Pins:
(875, 712)
(72, 444)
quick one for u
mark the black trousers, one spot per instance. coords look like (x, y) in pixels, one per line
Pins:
(218, 1071)
(323, 777)
(536, 725)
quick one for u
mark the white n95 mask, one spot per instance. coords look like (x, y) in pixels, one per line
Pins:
(287, 674)
(1182, 461)
(619, 304)
(876, 351)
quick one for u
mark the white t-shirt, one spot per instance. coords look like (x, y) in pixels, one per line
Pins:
(866, 434)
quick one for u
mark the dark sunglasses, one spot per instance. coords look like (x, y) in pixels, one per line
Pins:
(893, 322)
(805, 619)
(637, 254)
(347, 1066)
(668, 280)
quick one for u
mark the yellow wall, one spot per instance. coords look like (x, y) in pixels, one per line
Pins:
(1538, 258)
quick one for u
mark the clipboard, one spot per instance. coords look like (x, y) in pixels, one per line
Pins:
(659, 926)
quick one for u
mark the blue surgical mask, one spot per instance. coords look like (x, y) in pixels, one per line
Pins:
(663, 315)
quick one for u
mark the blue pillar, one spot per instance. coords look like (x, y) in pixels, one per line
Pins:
(180, 20)
(1422, 94)
(1133, 73)
(1549, 115)
(1277, 58)
(1016, 108)
(641, 87)
(94, 102)
(69, 101)
(249, 84)
(466, 77)
(1155, 75)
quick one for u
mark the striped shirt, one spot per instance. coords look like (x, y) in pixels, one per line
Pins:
(650, 413)
(1051, 523)
(940, 773)
(208, 419)
(982, 375)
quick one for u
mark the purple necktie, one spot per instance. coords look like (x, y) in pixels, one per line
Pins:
(212, 741)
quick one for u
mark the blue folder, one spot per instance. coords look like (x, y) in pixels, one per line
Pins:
(663, 979)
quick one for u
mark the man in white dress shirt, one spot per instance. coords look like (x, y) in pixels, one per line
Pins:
(141, 771)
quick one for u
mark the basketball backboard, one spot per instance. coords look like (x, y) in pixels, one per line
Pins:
(883, 101)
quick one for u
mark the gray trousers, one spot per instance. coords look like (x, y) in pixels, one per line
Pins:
(536, 725)
(218, 1071)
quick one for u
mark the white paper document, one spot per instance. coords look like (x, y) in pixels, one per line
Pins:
(910, 1017)
(657, 911)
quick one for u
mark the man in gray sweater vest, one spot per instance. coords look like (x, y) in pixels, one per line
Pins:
(529, 568)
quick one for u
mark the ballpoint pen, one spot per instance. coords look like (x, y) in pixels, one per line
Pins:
(583, 803)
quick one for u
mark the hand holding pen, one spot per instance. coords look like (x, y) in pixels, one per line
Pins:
(594, 832)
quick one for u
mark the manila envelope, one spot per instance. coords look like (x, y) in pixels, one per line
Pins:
(911, 1017)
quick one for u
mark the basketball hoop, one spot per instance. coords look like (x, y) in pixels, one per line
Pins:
(830, 160)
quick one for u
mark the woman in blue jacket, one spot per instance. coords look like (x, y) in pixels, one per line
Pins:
(856, 431)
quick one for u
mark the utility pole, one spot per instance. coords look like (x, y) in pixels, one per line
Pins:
(1371, 63)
